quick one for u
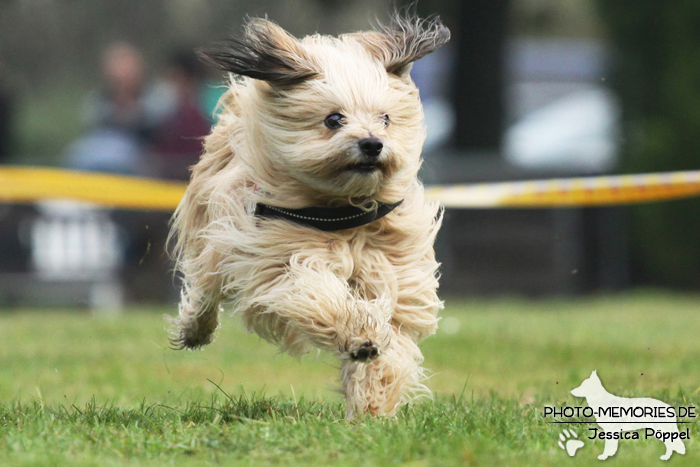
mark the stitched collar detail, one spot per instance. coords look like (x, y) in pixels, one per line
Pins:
(324, 218)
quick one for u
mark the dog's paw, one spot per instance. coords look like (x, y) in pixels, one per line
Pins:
(188, 337)
(363, 331)
(189, 341)
(365, 352)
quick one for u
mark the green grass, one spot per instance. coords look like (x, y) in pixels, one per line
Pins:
(79, 390)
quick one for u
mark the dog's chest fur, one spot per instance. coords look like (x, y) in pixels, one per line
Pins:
(364, 260)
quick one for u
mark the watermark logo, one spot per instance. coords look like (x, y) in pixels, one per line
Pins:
(568, 441)
(622, 418)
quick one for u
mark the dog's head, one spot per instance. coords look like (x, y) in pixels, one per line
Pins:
(590, 387)
(338, 114)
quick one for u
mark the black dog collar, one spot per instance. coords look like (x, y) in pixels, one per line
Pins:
(327, 219)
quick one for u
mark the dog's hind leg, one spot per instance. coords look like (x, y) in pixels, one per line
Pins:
(382, 386)
(198, 318)
(196, 323)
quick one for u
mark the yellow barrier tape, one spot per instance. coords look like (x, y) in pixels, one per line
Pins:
(570, 192)
(31, 184)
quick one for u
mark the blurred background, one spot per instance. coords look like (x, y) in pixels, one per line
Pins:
(526, 89)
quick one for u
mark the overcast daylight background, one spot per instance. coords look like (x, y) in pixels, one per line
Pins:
(526, 88)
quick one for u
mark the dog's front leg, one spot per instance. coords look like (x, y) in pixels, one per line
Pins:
(382, 386)
(314, 307)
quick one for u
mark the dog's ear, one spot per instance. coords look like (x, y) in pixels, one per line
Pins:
(406, 39)
(265, 52)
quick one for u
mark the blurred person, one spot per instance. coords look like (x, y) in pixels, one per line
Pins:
(173, 145)
(120, 117)
(120, 104)
(178, 140)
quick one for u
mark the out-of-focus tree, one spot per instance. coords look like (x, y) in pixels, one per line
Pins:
(52, 48)
(6, 121)
(657, 76)
(478, 89)
(478, 37)
(48, 40)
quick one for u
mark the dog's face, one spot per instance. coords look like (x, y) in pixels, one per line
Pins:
(341, 115)
(348, 131)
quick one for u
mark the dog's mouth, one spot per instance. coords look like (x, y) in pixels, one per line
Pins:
(364, 167)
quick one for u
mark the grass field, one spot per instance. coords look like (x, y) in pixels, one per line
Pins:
(78, 390)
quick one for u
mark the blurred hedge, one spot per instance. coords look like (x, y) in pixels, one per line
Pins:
(657, 75)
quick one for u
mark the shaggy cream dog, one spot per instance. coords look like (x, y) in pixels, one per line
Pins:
(305, 213)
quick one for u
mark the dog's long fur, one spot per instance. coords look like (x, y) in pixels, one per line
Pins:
(296, 286)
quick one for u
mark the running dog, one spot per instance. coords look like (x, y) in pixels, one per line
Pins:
(305, 214)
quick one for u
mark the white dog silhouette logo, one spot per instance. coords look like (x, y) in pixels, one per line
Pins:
(618, 415)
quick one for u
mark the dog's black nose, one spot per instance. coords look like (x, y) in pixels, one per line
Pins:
(371, 146)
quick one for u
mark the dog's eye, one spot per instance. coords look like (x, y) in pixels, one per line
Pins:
(385, 119)
(334, 121)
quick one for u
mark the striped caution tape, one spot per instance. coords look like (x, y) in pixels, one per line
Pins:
(31, 184)
(572, 192)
